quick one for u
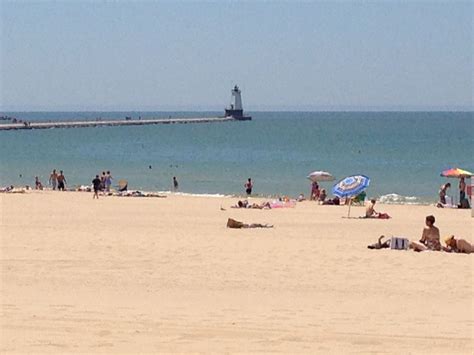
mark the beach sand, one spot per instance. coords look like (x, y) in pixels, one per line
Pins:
(165, 275)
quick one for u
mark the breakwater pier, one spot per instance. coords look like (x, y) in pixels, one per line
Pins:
(109, 123)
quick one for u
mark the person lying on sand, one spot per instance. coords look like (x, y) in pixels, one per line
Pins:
(7, 189)
(454, 245)
(429, 238)
(241, 204)
(332, 202)
(232, 223)
(380, 244)
(246, 204)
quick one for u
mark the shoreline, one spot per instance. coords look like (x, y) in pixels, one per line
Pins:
(387, 199)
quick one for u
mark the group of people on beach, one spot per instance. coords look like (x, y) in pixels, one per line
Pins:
(56, 181)
(443, 194)
(430, 240)
(102, 183)
(320, 195)
(316, 194)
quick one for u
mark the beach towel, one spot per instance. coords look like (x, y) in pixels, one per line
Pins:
(283, 204)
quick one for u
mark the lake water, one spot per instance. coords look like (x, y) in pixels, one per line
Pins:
(402, 152)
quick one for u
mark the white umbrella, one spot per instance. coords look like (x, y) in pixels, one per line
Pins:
(320, 176)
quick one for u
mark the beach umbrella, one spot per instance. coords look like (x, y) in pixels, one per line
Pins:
(351, 186)
(320, 176)
(456, 173)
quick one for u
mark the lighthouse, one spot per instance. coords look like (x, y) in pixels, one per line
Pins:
(235, 109)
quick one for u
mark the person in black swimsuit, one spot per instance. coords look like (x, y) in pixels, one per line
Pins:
(61, 181)
(248, 186)
(96, 183)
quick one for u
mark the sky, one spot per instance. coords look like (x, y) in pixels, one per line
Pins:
(174, 55)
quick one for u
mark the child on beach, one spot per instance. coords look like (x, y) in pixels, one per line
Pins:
(38, 184)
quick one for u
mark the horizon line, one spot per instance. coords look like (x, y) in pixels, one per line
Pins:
(433, 109)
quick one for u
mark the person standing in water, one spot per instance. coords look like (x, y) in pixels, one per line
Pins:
(53, 179)
(248, 186)
(61, 181)
(175, 183)
(96, 184)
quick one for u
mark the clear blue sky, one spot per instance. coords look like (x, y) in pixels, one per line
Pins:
(285, 55)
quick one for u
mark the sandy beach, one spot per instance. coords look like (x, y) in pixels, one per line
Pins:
(128, 275)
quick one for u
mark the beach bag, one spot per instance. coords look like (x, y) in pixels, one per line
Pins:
(399, 243)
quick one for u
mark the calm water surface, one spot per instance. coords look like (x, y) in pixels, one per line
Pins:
(402, 152)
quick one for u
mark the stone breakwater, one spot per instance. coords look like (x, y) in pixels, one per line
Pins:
(104, 123)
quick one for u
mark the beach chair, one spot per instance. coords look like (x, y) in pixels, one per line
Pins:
(359, 199)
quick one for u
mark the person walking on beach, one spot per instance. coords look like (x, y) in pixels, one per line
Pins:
(53, 179)
(61, 181)
(248, 186)
(96, 184)
(108, 181)
(102, 181)
(175, 183)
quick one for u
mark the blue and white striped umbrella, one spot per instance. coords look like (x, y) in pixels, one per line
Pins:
(351, 186)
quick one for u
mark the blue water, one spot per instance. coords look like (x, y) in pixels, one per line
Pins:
(402, 153)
